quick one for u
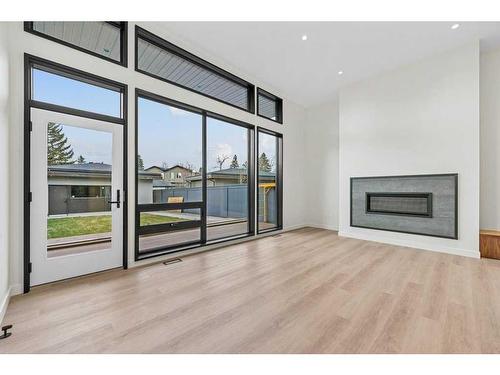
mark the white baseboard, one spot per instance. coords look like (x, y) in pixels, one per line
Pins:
(4, 302)
(412, 244)
(16, 289)
(324, 226)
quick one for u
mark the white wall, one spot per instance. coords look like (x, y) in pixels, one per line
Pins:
(292, 129)
(418, 119)
(490, 140)
(322, 168)
(4, 170)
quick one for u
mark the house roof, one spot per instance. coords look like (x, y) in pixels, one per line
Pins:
(169, 168)
(90, 170)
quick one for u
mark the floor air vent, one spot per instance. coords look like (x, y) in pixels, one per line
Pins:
(171, 261)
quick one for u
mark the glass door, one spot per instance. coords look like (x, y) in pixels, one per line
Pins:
(76, 220)
(169, 177)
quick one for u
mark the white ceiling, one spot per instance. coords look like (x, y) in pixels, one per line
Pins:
(307, 72)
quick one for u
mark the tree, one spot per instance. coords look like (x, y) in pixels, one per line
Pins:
(164, 165)
(265, 164)
(140, 163)
(221, 159)
(81, 160)
(234, 163)
(59, 150)
(244, 165)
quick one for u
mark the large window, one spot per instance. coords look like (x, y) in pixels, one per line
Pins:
(269, 180)
(194, 177)
(160, 59)
(229, 178)
(107, 40)
(269, 106)
(169, 160)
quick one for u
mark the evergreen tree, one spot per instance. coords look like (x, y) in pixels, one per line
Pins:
(140, 163)
(59, 150)
(234, 163)
(81, 160)
(264, 163)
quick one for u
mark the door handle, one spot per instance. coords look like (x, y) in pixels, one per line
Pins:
(117, 202)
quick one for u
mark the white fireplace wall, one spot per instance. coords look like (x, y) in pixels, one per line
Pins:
(419, 119)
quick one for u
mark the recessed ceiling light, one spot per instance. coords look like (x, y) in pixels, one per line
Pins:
(304, 37)
(455, 26)
(340, 72)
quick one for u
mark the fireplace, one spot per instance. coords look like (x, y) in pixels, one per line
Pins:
(403, 204)
(415, 204)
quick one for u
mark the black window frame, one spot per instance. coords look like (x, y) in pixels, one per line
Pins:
(141, 33)
(202, 205)
(279, 179)
(276, 99)
(30, 62)
(122, 25)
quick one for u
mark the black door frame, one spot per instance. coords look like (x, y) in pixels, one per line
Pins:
(139, 93)
(31, 61)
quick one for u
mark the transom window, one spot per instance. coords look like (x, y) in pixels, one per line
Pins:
(106, 40)
(163, 60)
(269, 106)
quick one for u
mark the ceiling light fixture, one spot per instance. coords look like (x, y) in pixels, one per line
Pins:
(340, 72)
(455, 26)
(304, 37)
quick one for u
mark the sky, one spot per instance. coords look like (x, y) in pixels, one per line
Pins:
(94, 145)
(166, 134)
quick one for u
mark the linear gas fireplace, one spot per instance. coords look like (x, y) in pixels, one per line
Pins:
(420, 204)
(404, 204)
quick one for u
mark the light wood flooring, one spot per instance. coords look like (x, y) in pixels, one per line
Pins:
(305, 291)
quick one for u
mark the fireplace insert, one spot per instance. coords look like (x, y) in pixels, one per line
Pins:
(403, 204)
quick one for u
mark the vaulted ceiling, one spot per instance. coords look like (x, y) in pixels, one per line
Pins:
(307, 72)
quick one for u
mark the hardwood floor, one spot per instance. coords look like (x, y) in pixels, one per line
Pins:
(306, 291)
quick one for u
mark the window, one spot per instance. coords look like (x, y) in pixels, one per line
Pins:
(107, 40)
(57, 87)
(85, 191)
(160, 59)
(269, 180)
(229, 179)
(168, 211)
(208, 192)
(269, 106)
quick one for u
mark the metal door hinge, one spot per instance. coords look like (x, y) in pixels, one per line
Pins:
(30, 196)
(30, 267)
(31, 126)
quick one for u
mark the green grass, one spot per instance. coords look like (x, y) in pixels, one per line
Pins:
(81, 225)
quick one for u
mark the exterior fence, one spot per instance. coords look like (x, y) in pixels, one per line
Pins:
(223, 201)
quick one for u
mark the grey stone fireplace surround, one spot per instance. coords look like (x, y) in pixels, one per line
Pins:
(418, 204)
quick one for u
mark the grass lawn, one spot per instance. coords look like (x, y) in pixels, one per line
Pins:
(81, 225)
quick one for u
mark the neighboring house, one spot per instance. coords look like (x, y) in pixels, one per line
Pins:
(77, 188)
(229, 176)
(174, 176)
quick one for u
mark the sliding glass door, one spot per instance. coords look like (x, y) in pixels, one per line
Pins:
(169, 158)
(194, 177)
(229, 179)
